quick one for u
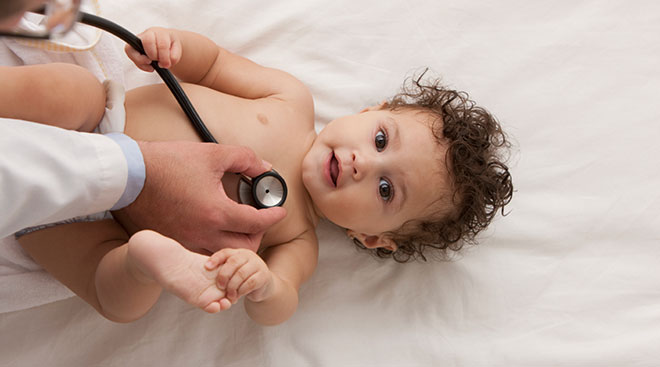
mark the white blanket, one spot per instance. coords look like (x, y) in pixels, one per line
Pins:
(569, 278)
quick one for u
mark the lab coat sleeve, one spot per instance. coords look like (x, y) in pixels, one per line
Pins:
(49, 174)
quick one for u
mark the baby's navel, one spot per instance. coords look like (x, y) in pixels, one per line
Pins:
(262, 118)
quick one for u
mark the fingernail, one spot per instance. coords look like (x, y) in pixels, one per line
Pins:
(267, 164)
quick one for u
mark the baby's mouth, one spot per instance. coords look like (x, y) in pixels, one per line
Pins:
(334, 169)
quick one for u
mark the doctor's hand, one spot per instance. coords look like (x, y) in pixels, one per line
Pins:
(183, 196)
(160, 44)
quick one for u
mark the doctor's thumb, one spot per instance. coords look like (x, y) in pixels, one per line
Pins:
(270, 216)
(242, 218)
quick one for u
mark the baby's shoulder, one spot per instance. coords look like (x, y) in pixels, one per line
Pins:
(298, 226)
(295, 96)
(303, 247)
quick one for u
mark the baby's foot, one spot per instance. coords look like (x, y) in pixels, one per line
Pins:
(155, 257)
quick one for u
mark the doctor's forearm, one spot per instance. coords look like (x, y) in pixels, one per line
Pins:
(49, 174)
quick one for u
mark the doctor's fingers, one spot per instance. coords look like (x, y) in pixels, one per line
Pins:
(243, 218)
(233, 240)
(239, 159)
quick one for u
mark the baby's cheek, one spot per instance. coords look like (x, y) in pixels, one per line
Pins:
(356, 214)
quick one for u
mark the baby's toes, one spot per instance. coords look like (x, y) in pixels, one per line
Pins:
(225, 304)
(213, 307)
(210, 299)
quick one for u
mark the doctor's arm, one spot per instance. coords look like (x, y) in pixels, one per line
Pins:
(49, 174)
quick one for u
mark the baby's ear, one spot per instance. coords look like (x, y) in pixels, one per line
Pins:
(380, 106)
(373, 241)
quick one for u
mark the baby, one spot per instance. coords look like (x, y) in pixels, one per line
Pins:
(421, 170)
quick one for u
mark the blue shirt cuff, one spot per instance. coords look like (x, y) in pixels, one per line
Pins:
(136, 169)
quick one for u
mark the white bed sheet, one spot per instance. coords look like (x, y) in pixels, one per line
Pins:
(569, 278)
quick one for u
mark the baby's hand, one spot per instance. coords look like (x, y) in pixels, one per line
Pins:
(242, 272)
(160, 45)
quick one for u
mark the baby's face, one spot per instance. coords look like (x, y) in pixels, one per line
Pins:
(373, 171)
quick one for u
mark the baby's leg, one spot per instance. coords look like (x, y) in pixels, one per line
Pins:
(121, 280)
(58, 94)
(72, 252)
(153, 260)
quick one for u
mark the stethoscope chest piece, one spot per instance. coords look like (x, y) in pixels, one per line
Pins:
(264, 191)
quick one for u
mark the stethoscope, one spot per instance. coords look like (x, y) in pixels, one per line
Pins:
(264, 191)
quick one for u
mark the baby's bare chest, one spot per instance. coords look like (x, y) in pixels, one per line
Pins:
(271, 129)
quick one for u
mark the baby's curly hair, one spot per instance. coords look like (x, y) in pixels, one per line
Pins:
(479, 179)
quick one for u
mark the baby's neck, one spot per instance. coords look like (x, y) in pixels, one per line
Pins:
(313, 212)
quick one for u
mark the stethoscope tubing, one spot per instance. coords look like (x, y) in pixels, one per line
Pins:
(181, 97)
(166, 75)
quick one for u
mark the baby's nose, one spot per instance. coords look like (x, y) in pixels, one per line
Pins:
(361, 165)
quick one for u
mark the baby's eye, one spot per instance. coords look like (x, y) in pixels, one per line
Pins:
(381, 140)
(385, 189)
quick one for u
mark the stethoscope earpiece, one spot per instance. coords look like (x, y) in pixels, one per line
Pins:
(264, 191)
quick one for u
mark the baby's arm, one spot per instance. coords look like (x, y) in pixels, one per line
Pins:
(271, 288)
(196, 59)
(63, 95)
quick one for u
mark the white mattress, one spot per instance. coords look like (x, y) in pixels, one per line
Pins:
(570, 277)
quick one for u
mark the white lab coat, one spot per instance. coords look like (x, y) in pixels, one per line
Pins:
(49, 174)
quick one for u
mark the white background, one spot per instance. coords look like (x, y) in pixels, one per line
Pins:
(570, 277)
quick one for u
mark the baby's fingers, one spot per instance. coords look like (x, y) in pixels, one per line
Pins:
(149, 40)
(140, 60)
(255, 286)
(228, 270)
(175, 51)
(163, 44)
(218, 258)
(244, 278)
